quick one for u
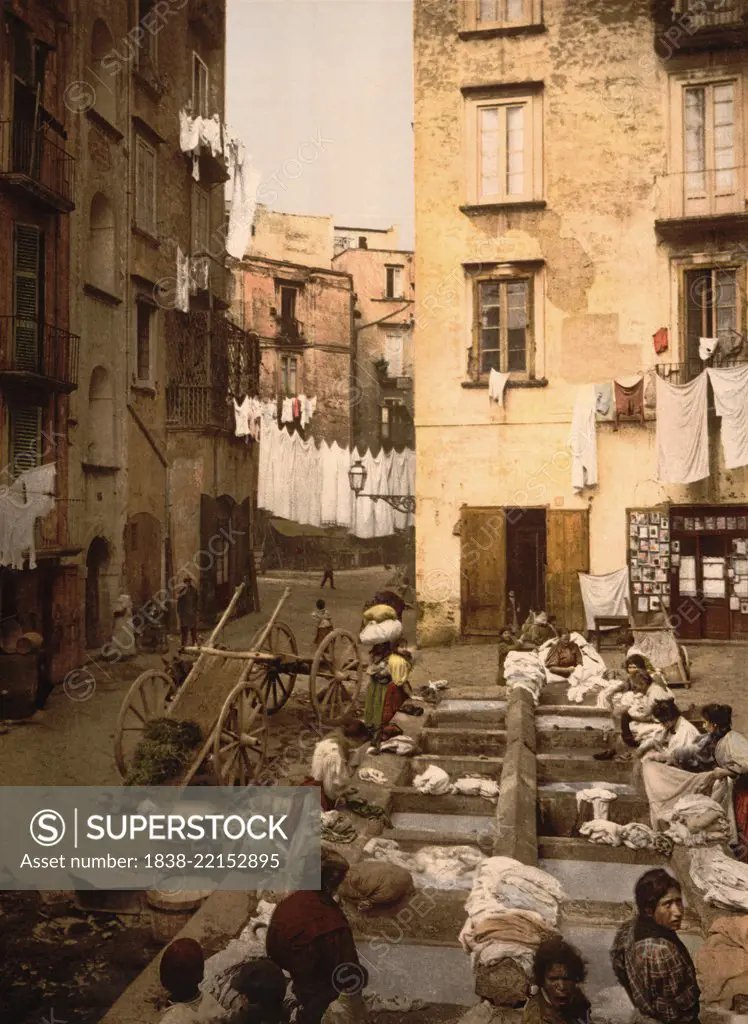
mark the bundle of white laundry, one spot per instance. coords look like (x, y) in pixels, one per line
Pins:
(525, 669)
(722, 881)
(439, 867)
(511, 909)
(635, 835)
(698, 820)
(403, 745)
(436, 781)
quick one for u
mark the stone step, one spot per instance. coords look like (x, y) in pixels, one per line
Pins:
(459, 765)
(553, 738)
(575, 767)
(431, 973)
(405, 798)
(471, 829)
(580, 850)
(469, 714)
(413, 838)
(463, 741)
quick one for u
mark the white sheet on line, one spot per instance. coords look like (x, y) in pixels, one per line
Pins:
(604, 595)
(730, 386)
(583, 439)
(682, 436)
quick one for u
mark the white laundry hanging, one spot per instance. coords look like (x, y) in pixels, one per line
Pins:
(682, 435)
(583, 439)
(604, 595)
(707, 348)
(496, 384)
(182, 297)
(29, 498)
(241, 416)
(730, 387)
(246, 181)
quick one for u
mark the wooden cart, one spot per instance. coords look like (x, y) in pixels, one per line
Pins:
(230, 694)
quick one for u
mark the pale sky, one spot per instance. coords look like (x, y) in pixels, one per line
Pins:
(321, 93)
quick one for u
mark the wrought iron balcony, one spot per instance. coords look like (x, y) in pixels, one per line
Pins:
(52, 533)
(682, 373)
(687, 25)
(31, 161)
(197, 407)
(36, 354)
(208, 19)
(291, 330)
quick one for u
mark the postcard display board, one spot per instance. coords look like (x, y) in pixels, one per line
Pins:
(709, 553)
(649, 562)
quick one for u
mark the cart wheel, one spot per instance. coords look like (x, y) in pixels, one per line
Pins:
(335, 676)
(276, 685)
(241, 736)
(145, 700)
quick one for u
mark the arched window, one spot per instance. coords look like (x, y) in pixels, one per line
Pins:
(101, 418)
(101, 244)
(101, 77)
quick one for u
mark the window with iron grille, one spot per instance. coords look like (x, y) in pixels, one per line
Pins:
(502, 331)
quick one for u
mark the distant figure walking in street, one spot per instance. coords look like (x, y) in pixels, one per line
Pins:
(328, 574)
(649, 959)
(187, 603)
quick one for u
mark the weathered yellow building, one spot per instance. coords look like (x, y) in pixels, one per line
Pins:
(580, 187)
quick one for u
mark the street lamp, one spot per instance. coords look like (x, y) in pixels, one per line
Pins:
(357, 474)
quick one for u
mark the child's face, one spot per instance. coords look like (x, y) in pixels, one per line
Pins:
(558, 985)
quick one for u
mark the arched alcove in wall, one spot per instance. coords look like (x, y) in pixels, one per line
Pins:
(101, 243)
(97, 563)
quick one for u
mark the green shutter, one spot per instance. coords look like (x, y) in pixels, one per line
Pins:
(25, 438)
(27, 272)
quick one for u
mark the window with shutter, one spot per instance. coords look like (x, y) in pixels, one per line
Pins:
(200, 220)
(25, 438)
(145, 186)
(27, 296)
(144, 322)
(200, 87)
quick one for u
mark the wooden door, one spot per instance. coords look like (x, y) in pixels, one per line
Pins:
(483, 571)
(568, 547)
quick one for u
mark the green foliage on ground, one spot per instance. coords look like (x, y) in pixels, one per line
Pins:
(164, 753)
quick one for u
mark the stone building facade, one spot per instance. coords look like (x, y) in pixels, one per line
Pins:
(384, 286)
(301, 310)
(39, 347)
(569, 209)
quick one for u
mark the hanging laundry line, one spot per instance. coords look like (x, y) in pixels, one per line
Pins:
(249, 411)
(309, 484)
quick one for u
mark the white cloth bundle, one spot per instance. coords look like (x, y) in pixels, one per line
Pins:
(602, 832)
(722, 881)
(599, 798)
(402, 745)
(525, 669)
(638, 836)
(682, 435)
(381, 632)
(440, 864)
(698, 820)
(495, 952)
(502, 883)
(434, 781)
(604, 595)
(707, 348)
(469, 786)
(583, 680)
(606, 695)
(730, 387)
(372, 775)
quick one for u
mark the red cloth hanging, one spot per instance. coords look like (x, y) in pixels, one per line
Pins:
(661, 341)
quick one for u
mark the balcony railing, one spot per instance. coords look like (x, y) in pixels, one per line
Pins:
(695, 195)
(197, 406)
(291, 330)
(32, 161)
(682, 373)
(687, 25)
(36, 353)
